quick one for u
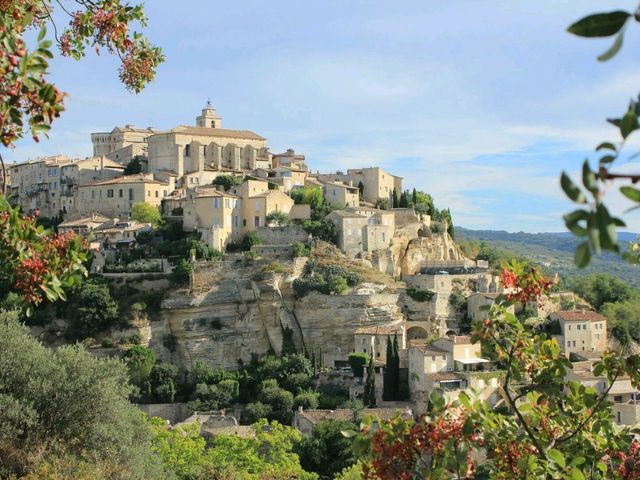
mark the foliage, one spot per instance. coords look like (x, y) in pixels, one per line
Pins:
(307, 196)
(422, 202)
(357, 361)
(227, 181)
(37, 264)
(327, 451)
(443, 216)
(249, 240)
(552, 427)
(65, 401)
(458, 301)
(299, 250)
(326, 278)
(163, 381)
(255, 411)
(134, 166)
(324, 230)
(382, 204)
(278, 219)
(420, 295)
(276, 267)
(307, 400)
(391, 379)
(623, 320)
(140, 361)
(181, 273)
(288, 345)
(602, 288)
(146, 213)
(593, 222)
(369, 396)
(178, 211)
(91, 309)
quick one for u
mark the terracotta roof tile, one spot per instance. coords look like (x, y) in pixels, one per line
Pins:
(440, 376)
(217, 132)
(579, 316)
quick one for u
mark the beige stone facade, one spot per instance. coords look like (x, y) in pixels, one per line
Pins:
(377, 184)
(363, 229)
(122, 143)
(373, 340)
(82, 225)
(341, 194)
(51, 184)
(478, 305)
(580, 331)
(116, 197)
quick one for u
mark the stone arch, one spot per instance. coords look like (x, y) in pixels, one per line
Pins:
(450, 332)
(417, 333)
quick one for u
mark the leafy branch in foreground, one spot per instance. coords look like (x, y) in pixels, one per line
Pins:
(593, 221)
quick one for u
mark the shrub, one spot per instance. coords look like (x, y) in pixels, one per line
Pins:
(279, 219)
(250, 255)
(296, 382)
(458, 301)
(178, 211)
(357, 362)
(254, 412)
(249, 240)
(146, 213)
(276, 267)
(299, 249)
(227, 181)
(281, 402)
(307, 400)
(322, 229)
(420, 295)
(181, 273)
(338, 286)
(91, 309)
(107, 342)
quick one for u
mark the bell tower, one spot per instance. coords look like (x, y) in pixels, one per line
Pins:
(209, 117)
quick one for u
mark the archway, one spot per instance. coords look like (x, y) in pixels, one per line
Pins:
(417, 333)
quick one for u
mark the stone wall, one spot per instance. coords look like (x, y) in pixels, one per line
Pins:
(174, 412)
(404, 216)
(282, 235)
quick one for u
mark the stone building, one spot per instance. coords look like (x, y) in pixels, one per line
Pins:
(341, 194)
(478, 305)
(373, 340)
(122, 144)
(376, 184)
(287, 178)
(580, 330)
(362, 229)
(82, 225)
(115, 197)
(51, 184)
(453, 364)
(289, 159)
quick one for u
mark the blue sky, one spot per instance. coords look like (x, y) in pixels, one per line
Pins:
(481, 103)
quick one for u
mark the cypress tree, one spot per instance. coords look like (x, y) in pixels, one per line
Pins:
(313, 362)
(396, 368)
(361, 189)
(387, 380)
(369, 397)
(395, 199)
(404, 200)
(414, 197)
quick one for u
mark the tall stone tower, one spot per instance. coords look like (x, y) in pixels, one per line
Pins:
(209, 117)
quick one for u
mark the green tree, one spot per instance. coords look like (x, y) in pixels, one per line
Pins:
(388, 380)
(91, 309)
(308, 400)
(181, 273)
(602, 288)
(66, 402)
(134, 166)
(249, 240)
(255, 411)
(327, 451)
(146, 213)
(394, 198)
(163, 379)
(308, 196)
(140, 361)
(277, 218)
(357, 361)
(227, 181)
(623, 320)
(369, 397)
(324, 230)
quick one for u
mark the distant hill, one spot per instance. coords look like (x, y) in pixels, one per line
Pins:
(555, 251)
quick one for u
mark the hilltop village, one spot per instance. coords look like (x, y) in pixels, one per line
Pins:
(339, 266)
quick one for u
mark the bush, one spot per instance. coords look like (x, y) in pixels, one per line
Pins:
(177, 212)
(227, 181)
(299, 249)
(279, 219)
(323, 229)
(250, 255)
(249, 240)
(181, 273)
(107, 342)
(357, 362)
(296, 382)
(254, 412)
(146, 213)
(458, 301)
(91, 309)
(307, 400)
(338, 286)
(327, 279)
(281, 402)
(276, 267)
(420, 295)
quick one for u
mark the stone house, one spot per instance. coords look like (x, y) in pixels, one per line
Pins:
(115, 197)
(51, 184)
(120, 234)
(452, 364)
(373, 340)
(341, 194)
(289, 159)
(580, 330)
(82, 225)
(363, 229)
(287, 178)
(478, 305)
(623, 395)
(376, 183)
(305, 420)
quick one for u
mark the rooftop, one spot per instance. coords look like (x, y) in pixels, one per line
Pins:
(217, 132)
(440, 376)
(137, 178)
(347, 414)
(378, 330)
(579, 316)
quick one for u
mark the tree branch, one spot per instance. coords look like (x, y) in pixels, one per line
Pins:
(3, 185)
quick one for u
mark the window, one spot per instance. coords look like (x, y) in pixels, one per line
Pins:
(148, 193)
(256, 221)
(244, 222)
(216, 202)
(120, 193)
(377, 354)
(383, 237)
(131, 194)
(110, 193)
(187, 150)
(157, 193)
(213, 124)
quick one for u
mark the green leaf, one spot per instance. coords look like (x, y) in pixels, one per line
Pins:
(577, 474)
(607, 159)
(557, 457)
(614, 49)
(571, 190)
(42, 34)
(588, 178)
(600, 24)
(628, 124)
(571, 221)
(583, 255)
(607, 227)
(631, 193)
(606, 146)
